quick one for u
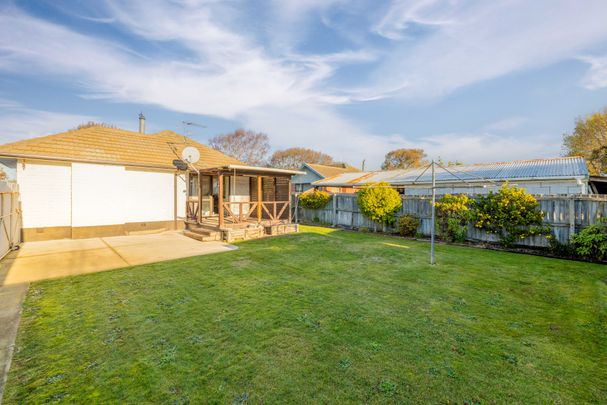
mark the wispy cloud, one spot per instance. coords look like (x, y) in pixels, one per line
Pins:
(405, 14)
(482, 40)
(505, 124)
(596, 77)
(225, 68)
(19, 122)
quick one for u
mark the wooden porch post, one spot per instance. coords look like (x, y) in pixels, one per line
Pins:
(290, 199)
(220, 180)
(199, 197)
(259, 198)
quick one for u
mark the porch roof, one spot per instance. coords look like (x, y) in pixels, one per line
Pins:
(241, 169)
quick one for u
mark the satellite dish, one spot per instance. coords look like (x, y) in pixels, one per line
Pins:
(190, 154)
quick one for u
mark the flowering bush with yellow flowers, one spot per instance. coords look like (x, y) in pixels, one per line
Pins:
(314, 199)
(511, 214)
(453, 214)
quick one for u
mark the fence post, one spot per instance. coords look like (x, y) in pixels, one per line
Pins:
(334, 216)
(571, 217)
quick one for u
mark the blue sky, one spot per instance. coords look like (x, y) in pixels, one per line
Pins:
(474, 81)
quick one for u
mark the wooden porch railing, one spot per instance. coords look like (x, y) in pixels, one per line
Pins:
(245, 209)
(241, 211)
(192, 209)
(273, 209)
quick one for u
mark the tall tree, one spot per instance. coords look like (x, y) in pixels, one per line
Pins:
(404, 159)
(247, 146)
(293, 158)
(589, 140)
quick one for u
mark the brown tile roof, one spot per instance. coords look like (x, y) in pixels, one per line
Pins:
(329, 171)
(115, 146)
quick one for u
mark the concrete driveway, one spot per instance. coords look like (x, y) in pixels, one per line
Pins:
(66, 257)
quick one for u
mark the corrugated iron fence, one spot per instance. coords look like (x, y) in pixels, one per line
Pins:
(566, 215)
(10, 218)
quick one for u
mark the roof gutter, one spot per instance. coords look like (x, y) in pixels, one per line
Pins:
(261, 169)
(80, 160)
(424, 183)
(411, 183)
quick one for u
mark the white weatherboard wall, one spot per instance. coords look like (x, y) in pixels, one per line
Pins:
(538, 187)
(149, 196)
(46, 194)
(110, 195)
(182, 190)
(98, 195)
(81, 194)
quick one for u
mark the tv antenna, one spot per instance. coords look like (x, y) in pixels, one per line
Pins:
(191, 124)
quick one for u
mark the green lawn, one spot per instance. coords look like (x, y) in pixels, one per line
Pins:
(323, 316)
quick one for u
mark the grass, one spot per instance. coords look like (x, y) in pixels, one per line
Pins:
(323, 316)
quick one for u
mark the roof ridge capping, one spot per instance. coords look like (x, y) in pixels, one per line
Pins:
(522, 161)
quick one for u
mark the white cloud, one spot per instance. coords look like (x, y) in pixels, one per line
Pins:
(225, 76)
(226, 70)
(505, 124)
(488, 147)
(403, 13)
(596, 77)
(18, 122)
(475, 41)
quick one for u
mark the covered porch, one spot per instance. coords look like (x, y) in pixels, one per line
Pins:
(232, 198)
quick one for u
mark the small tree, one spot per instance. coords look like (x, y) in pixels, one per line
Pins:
(404, 159)
(453, 217)
(247, 146)
(588, 140)
(293, 158)
(511, 213)
(91, 124)
(314, 199)
(379, 202)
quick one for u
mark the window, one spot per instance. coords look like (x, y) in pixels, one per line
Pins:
(193, 185)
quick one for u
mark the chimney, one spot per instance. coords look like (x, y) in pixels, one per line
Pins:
(141, 123)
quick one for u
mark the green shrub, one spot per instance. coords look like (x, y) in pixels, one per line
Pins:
(363, 229)
(453, 216)
(408, 224)
(314, 199)
(379, 202)
(591, 242)
(560, 249)
(511, 213)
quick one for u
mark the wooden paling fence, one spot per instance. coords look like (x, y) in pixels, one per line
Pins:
(10, 219)
(566, 215)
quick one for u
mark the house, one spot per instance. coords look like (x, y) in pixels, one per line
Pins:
(563, 175)
(100, 181)
(315, 172)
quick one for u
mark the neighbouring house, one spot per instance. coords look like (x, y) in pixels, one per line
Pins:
(314, 172)
(100, 181)
(553, 176)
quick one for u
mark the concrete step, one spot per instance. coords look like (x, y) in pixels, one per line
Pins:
(203, 236)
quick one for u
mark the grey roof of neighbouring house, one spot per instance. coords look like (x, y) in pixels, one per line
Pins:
(552, 168)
